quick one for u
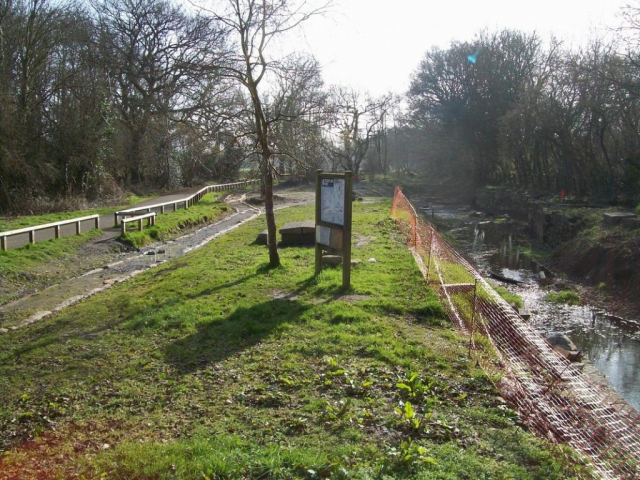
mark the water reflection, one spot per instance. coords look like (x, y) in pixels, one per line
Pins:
(611, 344)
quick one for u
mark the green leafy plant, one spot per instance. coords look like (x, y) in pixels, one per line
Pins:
(408, 456)
(566, 297)
(412, 386)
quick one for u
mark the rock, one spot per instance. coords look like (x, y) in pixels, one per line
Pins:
(355, 262)
(372, 260)
(544, 280)
(614, 218)
(476, 214)
(524, 313)
(261, 239)
(332, 260)
(3, 331)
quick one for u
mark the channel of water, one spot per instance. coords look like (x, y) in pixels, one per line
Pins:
(610, 344)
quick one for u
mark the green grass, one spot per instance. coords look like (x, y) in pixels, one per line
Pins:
(168, 226)
(217, 366)
(566, 297)
(14, 223)
(510, 297)
(41, 264)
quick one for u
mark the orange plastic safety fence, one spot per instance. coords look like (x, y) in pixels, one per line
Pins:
(553, 396)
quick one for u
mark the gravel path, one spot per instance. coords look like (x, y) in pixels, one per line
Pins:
(35, 307)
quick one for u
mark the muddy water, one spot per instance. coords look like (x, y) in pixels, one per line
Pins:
(611, 344)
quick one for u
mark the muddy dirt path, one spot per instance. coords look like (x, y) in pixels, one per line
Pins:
(32, 308)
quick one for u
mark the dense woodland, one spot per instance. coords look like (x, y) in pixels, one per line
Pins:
(101, 96)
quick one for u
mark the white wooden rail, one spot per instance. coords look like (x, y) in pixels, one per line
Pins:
(151, 220)
(32, 230)
(187, 202)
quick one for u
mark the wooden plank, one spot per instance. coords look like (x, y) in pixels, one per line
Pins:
(10, 233)
(318, 214)
(348, 215)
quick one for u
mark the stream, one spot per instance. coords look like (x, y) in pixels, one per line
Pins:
(608, 343)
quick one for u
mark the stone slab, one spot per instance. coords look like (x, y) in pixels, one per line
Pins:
(631, 223)
(298, 228)
(332, 260)
(614, 218)
(299, 233)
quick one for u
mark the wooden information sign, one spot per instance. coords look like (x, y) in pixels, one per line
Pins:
(333, 219)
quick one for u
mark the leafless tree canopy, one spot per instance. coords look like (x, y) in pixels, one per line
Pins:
(111, 94)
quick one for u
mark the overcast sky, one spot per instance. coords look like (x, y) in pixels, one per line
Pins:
(375, 45)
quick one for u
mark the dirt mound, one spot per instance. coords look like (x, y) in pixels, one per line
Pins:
(612, 265)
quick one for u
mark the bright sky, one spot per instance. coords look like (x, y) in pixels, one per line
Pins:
(375, 45)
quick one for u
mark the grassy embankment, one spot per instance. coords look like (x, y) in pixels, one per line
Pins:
(215, 366)
(14, 223)
(46, 263)
(170, 225)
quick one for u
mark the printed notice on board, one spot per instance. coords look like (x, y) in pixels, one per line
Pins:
(332, 200)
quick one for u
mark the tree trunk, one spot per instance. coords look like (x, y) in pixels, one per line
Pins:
(272, 240)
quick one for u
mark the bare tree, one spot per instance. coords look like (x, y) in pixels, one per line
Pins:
(254, 25)
(153, 52)
(356, 116)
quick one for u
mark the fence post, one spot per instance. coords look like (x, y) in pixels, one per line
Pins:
(473, 316)
(3, 243)
(97, 222)
(414, 228)
(430, 251)
(57, 231)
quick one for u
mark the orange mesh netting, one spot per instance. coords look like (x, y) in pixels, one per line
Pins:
(552, 395)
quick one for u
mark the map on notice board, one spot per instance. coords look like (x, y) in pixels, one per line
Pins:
(332, 201)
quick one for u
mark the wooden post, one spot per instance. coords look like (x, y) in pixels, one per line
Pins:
(473, 316)
(318, 213)
(78, 228)
(429, 258)
(97, 222)
(348, 214)
(115, 219)
(3, 243)
(175, 207)
(57, 231)
(123, 227)
(139, 224)
(162, 209)
(32, 236)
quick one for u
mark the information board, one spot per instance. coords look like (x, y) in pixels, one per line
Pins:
(332, 201)
(333, 219)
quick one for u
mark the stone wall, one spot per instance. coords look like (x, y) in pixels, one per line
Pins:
(552, 227)
(546, 225)
(496, 201)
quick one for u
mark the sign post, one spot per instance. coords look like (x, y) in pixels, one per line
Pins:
(334, 211)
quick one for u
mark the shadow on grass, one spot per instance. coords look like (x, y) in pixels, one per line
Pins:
(244, 328)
